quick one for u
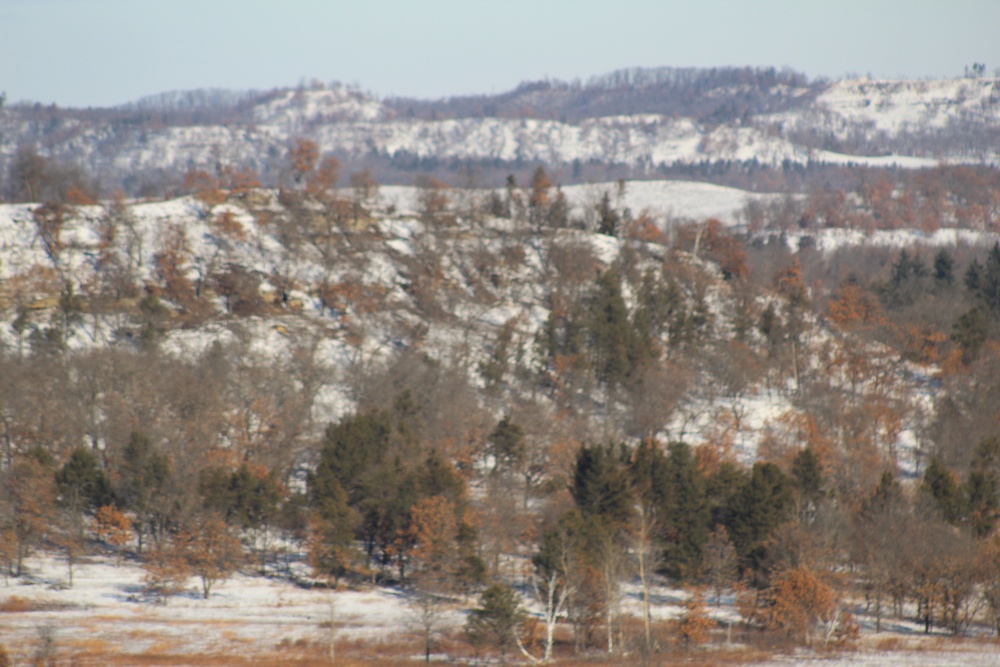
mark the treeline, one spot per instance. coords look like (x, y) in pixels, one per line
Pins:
(688, 92)
(869, 200)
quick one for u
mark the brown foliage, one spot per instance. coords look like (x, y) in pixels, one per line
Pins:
(645, 229)
(240, 182)
(204, 187)
(303, 156)
(434, 532)
(799, 602)
(30, 506)
(214, 553)
(324, 179)
(113, 526)
(712, 238)
(852, 306)
(166, 565)
(226, 224)
(693, 629)
(75, 196)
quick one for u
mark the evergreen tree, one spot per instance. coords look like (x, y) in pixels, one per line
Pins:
(808, 475)
(970, 332)
(332, 530)
(757, 509)
(82, 483)
(685, 512)
(648, 470)
(657, 304)
(941, 486)
(608, 220)
(558, 213)
(973, 277)
(506, 444)
(390, 491)
(351, 448)
(143, 477)
(243, 497)
(721, 488)
(887, 497)
(613, 344)
(497, 621)
(982, 487)
(904, 285)
(989, 289)
(944, 268)
(601, 485)
(438, 477)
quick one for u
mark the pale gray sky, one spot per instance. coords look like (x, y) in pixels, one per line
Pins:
(104, 52)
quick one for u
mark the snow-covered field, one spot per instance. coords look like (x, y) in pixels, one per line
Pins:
(107, 612)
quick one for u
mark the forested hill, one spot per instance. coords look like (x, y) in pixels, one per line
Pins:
(447, 388)
(735, 125)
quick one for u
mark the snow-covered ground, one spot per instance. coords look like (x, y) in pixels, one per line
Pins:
(829, 240)
(249, 613)
(106, 611)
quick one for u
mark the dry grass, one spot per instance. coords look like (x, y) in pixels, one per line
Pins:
(91, 645)
(302, 652)
(16, 604)
(890, 644)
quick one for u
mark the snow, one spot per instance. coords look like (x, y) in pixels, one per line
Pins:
(106, 609)
(249, 612)
(670, 199)
(830, 240)
(894, 106)
(348, 121)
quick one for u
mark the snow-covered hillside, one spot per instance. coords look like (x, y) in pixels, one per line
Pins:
(402, 282)
(896, 106)
(357, 126)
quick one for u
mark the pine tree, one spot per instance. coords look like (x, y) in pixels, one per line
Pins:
(332, 529)
(988, 289)
(942, 487)
(982, 487)
(351, 448)
(601, 485)
(506, 444)
(143, 476)
(608, 220)
(497, 621)
(808, 475)
(82, 483)
(970, 332)
(757, 509)
(685, 512)
(944, 268)
(613, 344)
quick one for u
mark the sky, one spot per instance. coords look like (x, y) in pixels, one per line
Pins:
(79, 53)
